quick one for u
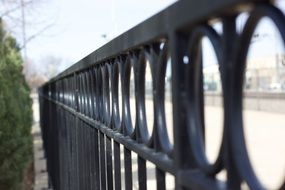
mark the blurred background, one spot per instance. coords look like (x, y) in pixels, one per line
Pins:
(54, 34)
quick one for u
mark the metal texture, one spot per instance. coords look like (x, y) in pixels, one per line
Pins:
(86, 130)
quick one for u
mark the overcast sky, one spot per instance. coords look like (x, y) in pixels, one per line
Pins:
(77, 27)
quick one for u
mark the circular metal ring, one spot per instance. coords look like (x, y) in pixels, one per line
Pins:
(105, 94)
(128, 68)
(99, 92)
(116, 98)
(236, 132)
(143, 134)
(194, 90)
(110, 91)
(93, 92)
(96, 93)
(161, 126)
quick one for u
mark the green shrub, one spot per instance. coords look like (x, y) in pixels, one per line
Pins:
(15, 115)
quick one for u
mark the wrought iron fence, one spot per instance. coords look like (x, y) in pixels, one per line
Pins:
(90, 118)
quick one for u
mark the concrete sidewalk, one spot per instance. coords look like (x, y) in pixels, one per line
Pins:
(41, 176)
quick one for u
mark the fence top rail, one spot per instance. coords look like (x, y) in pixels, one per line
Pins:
(177, 16)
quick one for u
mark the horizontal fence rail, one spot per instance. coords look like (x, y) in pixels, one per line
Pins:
(94, 115)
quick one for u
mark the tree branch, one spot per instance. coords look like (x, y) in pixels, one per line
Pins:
(15, 8)
(36, 34)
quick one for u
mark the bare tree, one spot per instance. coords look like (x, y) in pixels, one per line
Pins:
(24, 19)
(46, 68)
(51, 65)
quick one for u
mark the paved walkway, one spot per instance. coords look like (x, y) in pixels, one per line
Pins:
(41, 177)
(264, 132)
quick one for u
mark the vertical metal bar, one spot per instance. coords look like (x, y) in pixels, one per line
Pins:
(128, 169)
(81, 153)
(57, 146)
(88, 151)
(61, 149)
(178, 44)
(92, 159)
(77, 154)
(69, 145)
(80, 161)
(90, 167)
(102, 161)
(85, 155)
(71, 155)
(109, 163)
(229, 44)
(66, 157)
(64, 149)
(72, 140)
(96, 159)
(160, 179)
(117, 167)
(142, 173)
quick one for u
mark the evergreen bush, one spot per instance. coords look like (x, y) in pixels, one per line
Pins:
(15, 115)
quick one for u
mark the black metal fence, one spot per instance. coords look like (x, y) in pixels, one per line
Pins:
(86, 130)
